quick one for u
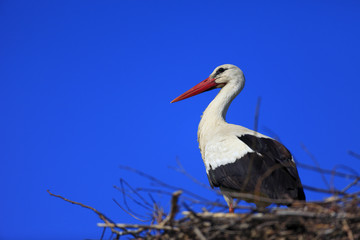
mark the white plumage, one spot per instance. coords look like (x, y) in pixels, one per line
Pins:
(237, 158)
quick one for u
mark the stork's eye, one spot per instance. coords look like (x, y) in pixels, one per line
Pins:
(220, 70)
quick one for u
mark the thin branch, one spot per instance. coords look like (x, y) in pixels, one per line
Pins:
(257, 114)
(100, 215)
(159, 182)
(128, 212)
(312, 157)
(272, 133)
(182, 170)
(124, 194)
(354, 154)
(346, 168)
(122, 182)
(123, 226)
(350, 185)
(326, 171)
(315, 189)
(103, 234)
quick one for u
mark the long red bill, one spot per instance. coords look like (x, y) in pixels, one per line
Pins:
(207, 84)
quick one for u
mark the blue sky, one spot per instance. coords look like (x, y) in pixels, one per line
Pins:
(85, 86)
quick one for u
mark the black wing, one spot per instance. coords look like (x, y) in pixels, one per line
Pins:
(269, 169)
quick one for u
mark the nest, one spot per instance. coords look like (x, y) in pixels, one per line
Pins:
(336, 217)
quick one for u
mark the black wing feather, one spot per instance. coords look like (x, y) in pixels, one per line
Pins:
(273, 150)
(280, 182)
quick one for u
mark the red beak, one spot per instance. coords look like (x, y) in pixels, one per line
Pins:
(203, 86)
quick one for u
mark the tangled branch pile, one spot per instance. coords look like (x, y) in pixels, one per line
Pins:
(336, 217)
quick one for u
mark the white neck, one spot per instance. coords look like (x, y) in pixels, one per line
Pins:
(214, 115)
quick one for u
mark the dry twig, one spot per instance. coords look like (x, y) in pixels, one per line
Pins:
(101, 215)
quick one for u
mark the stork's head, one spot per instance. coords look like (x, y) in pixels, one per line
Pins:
(223, 75)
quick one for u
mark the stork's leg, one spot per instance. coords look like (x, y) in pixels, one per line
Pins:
(230, 202)
(231, 208)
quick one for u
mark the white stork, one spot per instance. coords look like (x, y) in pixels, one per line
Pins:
(240, 161)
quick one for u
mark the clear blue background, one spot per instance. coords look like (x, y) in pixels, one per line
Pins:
(85, 86)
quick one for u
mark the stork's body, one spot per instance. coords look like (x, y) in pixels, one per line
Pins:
(239, 160)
